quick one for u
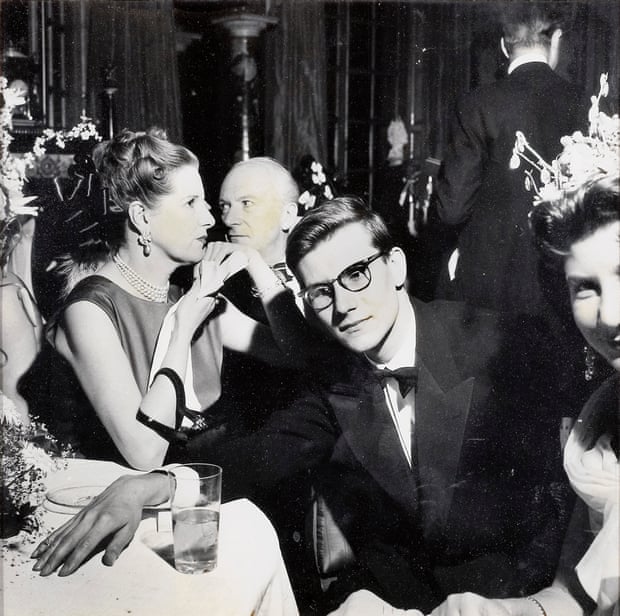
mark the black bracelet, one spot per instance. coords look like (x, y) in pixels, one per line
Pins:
(177, 434)
(166, 432)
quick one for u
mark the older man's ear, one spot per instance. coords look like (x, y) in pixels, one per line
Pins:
(289, 217)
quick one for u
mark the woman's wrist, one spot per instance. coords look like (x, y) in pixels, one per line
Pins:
(266, 282)
(526, 606)
(181, 334)
(258, 269)
(153, 488)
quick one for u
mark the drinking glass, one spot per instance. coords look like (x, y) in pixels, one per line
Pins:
(195, 497)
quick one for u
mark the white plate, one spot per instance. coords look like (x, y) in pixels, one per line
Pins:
(74, 496)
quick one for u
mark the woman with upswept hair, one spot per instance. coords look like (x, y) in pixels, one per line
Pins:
(142, 352)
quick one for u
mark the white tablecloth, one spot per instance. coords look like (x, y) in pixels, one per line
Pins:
(250, 578)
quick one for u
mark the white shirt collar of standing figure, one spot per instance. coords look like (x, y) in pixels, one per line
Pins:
(532, 56)
(405, 356)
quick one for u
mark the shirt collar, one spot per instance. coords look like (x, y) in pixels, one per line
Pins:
(405, 355)
(532, 56)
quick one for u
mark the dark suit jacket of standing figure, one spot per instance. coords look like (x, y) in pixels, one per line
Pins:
(489, 510)
(498, 262)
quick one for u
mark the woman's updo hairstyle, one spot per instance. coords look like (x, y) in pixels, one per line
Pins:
(133, 166)
(559, 223)
(136, 166)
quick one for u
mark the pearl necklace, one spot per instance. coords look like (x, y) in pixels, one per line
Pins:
(150, 291)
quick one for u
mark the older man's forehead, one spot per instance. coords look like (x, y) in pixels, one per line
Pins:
(246, 182)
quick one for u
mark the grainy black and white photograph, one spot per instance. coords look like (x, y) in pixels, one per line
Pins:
(310, 307)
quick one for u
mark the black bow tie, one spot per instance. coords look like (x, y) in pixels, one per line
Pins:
(407, 378)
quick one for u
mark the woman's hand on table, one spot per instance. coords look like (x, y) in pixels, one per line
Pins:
(110, 521)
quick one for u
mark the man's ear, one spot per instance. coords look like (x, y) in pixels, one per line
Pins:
(502, 46)
(289, 217)
(398, 266)
(139, 216)
(554, 48)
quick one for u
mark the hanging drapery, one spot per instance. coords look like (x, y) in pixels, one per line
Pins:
(132, 48)
(296, 118)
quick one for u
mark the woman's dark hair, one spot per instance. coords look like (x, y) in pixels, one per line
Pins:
(559, 223)
(323, 221)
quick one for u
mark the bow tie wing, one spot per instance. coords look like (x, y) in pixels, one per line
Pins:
(407, 378)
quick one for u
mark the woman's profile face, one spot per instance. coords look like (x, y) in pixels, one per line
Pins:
(181, 219)
(593, 275)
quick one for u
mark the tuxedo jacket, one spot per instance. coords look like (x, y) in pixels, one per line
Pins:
(478, 192)
(482, 509)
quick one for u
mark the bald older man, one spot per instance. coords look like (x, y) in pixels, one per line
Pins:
(258, 206)
(258, 202)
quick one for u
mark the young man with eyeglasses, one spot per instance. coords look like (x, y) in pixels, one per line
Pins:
(438, 473)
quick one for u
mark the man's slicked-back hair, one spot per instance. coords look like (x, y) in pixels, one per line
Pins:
(529, 24)
(280, 175)
(323, 221)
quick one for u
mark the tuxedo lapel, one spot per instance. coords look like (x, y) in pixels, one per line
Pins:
(441, 417)
(442, 406)
(368, 429)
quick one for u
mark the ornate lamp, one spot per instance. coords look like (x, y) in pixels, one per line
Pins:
(244, 29)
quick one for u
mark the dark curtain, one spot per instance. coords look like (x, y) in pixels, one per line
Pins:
(598, 28)
(449, 32)
(132, 47)
(295, 75)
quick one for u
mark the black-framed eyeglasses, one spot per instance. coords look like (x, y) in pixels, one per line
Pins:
(354, 278)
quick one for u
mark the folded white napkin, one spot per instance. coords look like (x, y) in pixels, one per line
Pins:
(187, 487)
(163, 341)
(212, 277)
(595, 477)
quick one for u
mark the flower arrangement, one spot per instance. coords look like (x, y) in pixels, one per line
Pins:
(584, 157)
(25, 458)
(13, 169)
(84, 130)
(313, 184)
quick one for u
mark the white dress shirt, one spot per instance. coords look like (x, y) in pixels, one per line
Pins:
(402, 410)
(533, 56)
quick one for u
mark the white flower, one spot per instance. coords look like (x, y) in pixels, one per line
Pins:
(35, 457)
(10, 414)
(13, 98)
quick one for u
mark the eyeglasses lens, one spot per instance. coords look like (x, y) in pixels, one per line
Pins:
(357, 278)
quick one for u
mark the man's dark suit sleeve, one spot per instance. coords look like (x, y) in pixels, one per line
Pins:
(293, 442)
(463, 168)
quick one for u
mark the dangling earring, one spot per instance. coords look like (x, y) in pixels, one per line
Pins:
(590, 359)
(144, 239)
